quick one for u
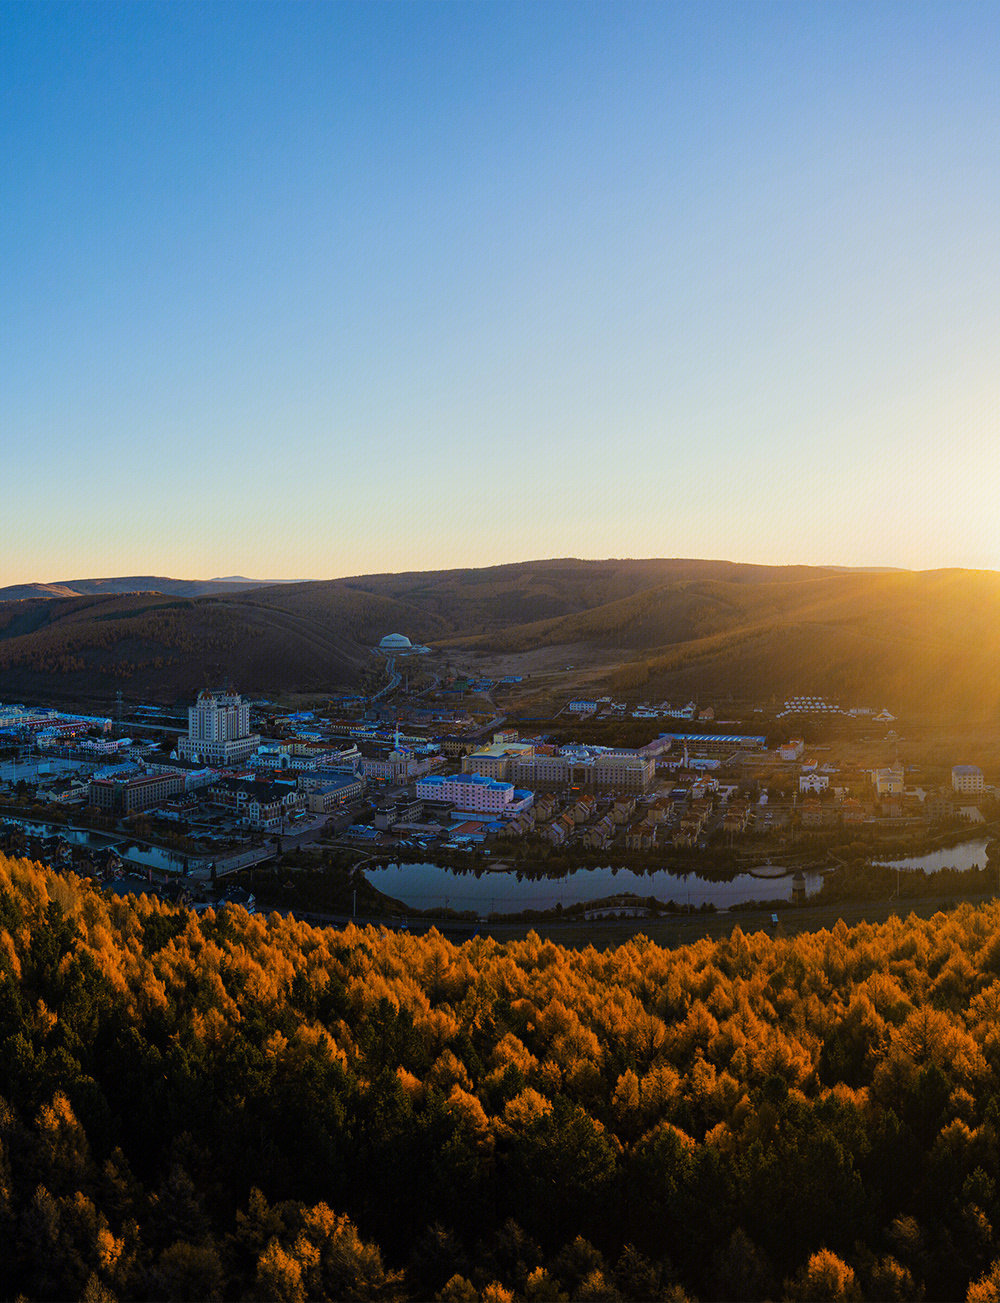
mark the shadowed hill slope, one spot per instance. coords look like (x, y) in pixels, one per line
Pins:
(165, 647)
(924, 641)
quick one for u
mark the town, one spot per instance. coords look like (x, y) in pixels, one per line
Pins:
(394, 776)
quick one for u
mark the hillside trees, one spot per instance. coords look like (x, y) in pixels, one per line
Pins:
(221, 1106)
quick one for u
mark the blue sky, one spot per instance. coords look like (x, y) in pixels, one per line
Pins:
(304, 290)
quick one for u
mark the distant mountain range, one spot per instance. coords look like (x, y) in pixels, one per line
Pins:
(131, 584)
(911, 640)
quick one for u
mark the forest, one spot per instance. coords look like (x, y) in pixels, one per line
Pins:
(225, 1106)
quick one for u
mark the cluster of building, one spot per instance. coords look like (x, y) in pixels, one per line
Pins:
(45, 726)
(829, 804)
(540, 766)
(821, 706)
(592, 795)
(608, 707)
(220, 762)
(451, 777)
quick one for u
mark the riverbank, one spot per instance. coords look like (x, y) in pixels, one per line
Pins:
(670, 932)
(680, 930)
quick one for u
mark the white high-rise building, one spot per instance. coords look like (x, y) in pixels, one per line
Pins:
(218, 717)
(218, 730)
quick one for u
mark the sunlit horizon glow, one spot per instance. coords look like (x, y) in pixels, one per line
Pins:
(308, 291)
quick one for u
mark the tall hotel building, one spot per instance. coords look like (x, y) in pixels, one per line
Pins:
(218, 730)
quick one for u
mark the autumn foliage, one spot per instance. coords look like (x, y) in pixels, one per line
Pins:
(232, 1107)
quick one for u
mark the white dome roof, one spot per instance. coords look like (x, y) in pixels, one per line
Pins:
(397, 640)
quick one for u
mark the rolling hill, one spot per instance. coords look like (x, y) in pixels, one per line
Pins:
(924, 642)
(921, 641)
(130, 584)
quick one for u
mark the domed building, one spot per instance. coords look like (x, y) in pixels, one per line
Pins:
(395, 642)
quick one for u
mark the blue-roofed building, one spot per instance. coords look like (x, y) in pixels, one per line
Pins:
(715, 744)
(324, 794)
(474, 793)
(127, 769)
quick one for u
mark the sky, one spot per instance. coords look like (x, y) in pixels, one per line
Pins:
(307, 290)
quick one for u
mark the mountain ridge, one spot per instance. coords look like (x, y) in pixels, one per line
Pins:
(906, 639)
(124, 584)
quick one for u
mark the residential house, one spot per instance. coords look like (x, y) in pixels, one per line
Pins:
(560, 829)
(852, 811)
(737, 816)
(938, 805)
(817, 814)
(814, 782)
(623, 809)
(599, 834)
(640, 837)
(584, 808)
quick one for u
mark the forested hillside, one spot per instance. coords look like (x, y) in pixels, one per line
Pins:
(168, 647)
(922, 642)
(232, 1107)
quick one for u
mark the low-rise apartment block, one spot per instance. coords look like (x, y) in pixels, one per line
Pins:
(611, 771)
(967, 779)
(125, 795)
(325, 794)
(888, 781)
(497, 760)
(400, 765)
(715, 744)
(474, 793)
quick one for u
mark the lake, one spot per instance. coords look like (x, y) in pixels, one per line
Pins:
(963, 856)
(149, 857)
(428, 886)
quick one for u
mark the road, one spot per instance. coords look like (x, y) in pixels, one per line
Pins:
(395, 679)
(201, 870)
(668, 931)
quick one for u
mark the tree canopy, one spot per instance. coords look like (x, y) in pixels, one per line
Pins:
(235, 1107)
